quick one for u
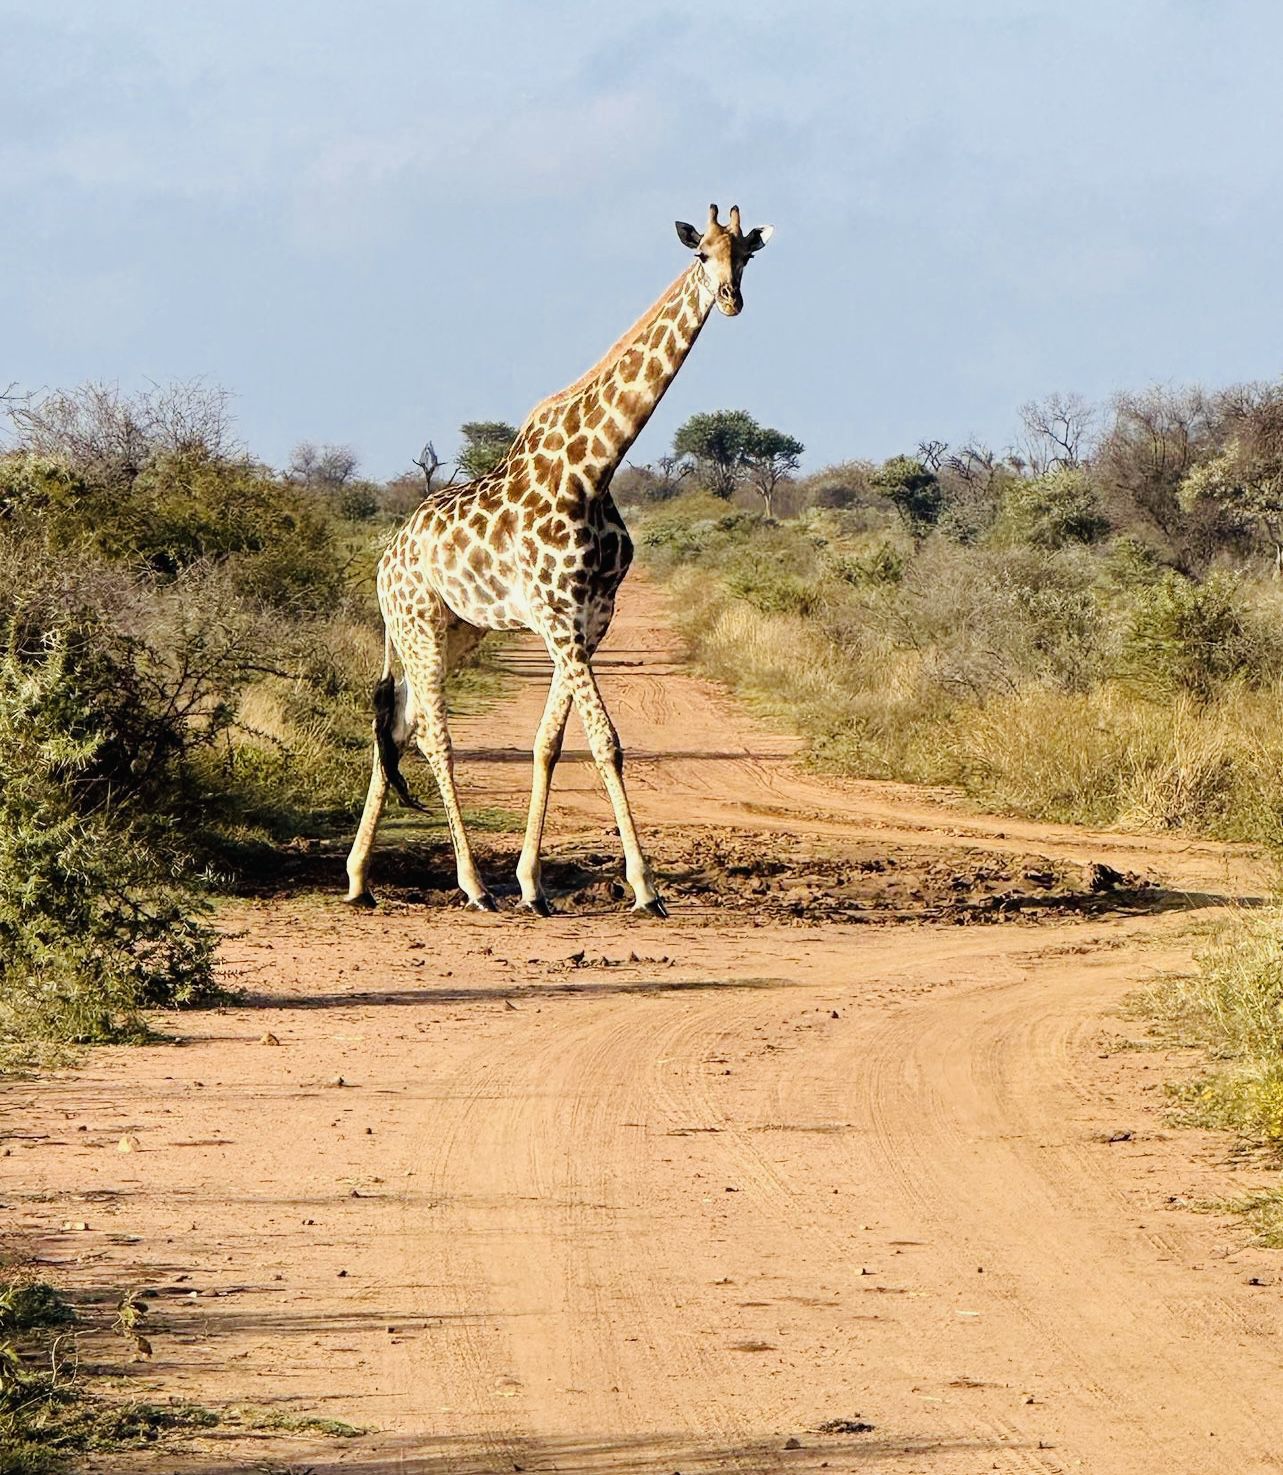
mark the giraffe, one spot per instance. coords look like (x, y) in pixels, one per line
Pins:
(537, 544)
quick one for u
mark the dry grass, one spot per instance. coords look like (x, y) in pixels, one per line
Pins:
(1231, 1006)
(1107, 757)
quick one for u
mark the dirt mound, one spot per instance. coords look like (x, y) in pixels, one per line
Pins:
(773, 877)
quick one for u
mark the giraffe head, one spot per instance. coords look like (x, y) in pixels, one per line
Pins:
(722, 252)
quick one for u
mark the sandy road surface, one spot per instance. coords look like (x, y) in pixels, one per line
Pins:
(597, 1195)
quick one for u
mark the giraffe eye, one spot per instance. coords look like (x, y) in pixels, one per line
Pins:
(701, 256)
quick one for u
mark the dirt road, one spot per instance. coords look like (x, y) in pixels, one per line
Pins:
(822, 1173)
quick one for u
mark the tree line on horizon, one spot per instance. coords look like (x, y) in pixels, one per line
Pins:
(1192, 474)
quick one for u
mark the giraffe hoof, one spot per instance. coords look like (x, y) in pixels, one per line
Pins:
(538, 906)
(361, 899)
(483, 903)
(655, 908)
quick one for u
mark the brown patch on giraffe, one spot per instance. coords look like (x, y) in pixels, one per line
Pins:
(654, 370)
(600, 449)
(505, 524)
(630, 365)
(593, 415)
(554, 440)
(576, 450)
(570, 423)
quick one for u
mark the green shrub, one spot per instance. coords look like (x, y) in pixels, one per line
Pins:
(101, 915)
(1182, 636)
(1051, 511)
(179, 510)
(913, 490)
(358, 501)
(885, 564)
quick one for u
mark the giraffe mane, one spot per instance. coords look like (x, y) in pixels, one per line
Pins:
(612, 354)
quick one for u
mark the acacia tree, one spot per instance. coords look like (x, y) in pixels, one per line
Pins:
(770, 457)
(914, 492)
(718, 442)
(485, 444)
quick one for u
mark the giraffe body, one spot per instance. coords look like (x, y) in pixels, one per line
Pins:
(537, 544)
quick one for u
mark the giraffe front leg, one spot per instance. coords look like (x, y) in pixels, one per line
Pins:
(609, 758)
(552, 728)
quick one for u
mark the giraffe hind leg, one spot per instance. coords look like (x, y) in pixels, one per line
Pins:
(425, 665)
(394, 721)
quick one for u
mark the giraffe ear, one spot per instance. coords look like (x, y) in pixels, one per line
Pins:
(758, 237)
(688, 235)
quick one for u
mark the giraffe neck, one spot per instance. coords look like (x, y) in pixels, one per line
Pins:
(593, 422)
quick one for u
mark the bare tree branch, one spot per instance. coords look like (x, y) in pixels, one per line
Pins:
(1057, 432)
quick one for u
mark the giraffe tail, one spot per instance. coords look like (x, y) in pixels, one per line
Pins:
(385, 714)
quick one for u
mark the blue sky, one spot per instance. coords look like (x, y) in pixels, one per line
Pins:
(371, 222)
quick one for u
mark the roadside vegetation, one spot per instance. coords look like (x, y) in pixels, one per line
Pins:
(187, 645)
(1087, 629)
(1230, 1007)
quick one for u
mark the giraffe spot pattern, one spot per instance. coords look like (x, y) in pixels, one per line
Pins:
(540, 531)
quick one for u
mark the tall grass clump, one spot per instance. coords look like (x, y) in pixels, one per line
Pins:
(1232, 1007)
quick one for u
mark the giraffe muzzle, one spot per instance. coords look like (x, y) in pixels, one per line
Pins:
(729, 300)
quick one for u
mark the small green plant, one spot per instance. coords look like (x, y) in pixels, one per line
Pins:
(884, 564)
(28, 1304)
(50, 1414)
(1262, 1212)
